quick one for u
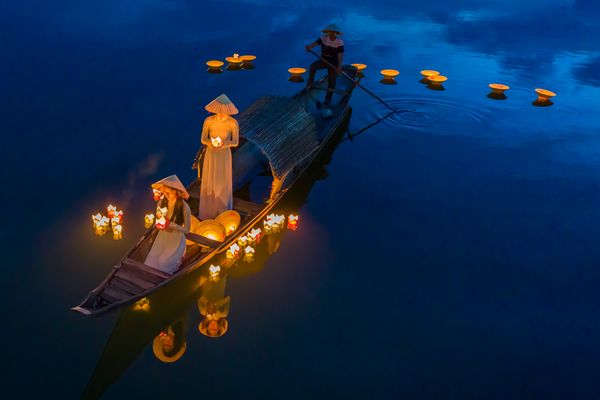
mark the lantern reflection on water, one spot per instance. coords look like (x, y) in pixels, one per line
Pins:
(254, 235)
(249, 254)
(214, 272)
(100, 224)
(242, 241)
(142, 304)
(148, 220)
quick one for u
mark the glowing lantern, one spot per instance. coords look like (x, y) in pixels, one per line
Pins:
(498, 88)
(110, 210)
(214, 66)
(233, 251)
(230, 219)
(429, 72)
(100, 224)
(273, 223)
(297, 72)
(437, 80)
(359, 67)
(248, 59)
(214, 272)
(544, 95)
(161, 211)
(234, 61)
(254, 235)
(292, 222)
(249, 254)
(389, 73)
(117, 232)
(148, 220)
(157, 194)
(210, 229)
(216, 141)
(242, 241)
(119, 215)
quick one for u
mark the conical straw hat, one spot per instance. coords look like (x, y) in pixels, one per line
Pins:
(222, 105)
(172, 182)
(333, 28)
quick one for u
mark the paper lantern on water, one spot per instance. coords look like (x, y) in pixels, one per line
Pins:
(233, 251)
(254, 235)
(230, 219)
(389, 73)
(234, 61)
(544, 95)
(292, 222)
(248, 59)
(429, 72)
(100, 224)
(498, 88)
(359, 67)
(211, 229)
(437, 80)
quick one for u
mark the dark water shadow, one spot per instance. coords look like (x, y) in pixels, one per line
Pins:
(388, 81)
(496, 96)
(248, 66)
(232, 67)
(540, 103)
(296, 79)
(214, 71)
(435, 87)
(424, 81)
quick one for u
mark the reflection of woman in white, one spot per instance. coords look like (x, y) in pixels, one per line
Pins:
(168, 249)
(220, 133)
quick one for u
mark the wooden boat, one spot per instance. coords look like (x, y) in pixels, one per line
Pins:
(280, 138)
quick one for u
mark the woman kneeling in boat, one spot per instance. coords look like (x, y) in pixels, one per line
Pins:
(168, 249)
(220, 133)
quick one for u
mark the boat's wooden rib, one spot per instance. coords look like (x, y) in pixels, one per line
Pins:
(277, 129)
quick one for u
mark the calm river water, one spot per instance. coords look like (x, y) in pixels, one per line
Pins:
(449, 251)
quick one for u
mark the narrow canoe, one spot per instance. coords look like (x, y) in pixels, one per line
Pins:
(280, 138)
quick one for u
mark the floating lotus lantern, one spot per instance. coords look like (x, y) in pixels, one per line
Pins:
(117, 232)
(214, 66)
(544, 95)
(254, 235)
(296, 74)
(498, 88)
(359, 69)
(148, 220)
(247, 61)
(437, 80)
(211, 229)
(233, 251)
(273, 223)
(214, 271)
(234, 62)
(249, 254)
(157, 194)
(429, 72)
(230, 219)
(242, 241)
(110, 210)
(389, 76)
(292, 222)
(100, 224)
(216, 141)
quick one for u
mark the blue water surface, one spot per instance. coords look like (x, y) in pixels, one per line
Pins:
(449, 251)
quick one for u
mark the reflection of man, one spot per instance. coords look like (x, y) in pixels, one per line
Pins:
(332, 51)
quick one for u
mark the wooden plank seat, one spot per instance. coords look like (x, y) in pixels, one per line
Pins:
(246, 207)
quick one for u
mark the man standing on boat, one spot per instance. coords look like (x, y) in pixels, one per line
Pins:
(332, 51)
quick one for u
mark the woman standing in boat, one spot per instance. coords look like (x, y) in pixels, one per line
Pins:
(220, 133)
(168, 249)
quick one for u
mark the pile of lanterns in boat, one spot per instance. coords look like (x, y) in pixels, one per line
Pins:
(112, 221)
(234, 62)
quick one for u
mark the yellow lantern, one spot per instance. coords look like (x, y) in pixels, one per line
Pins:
(426, 73)
(437, 80)
(359, 67)
(242, 241)
(498, 88)
(157, 194)
(216, 141)
(234, 61)
(544, 95)
(248, 59)
(249, 254)
(148, 220)
(117, 232)
(209, 228)
(233, 251)
(254, 235)
(389, 74)
(100, 224)
(214, 271)
(161, 211)
(230, 219)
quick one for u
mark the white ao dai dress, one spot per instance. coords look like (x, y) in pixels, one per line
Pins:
(216, 194)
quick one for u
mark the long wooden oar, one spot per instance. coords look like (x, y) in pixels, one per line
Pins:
(357, 83)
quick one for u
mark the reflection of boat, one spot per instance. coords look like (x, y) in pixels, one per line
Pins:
(137, 327)
(282, 137)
